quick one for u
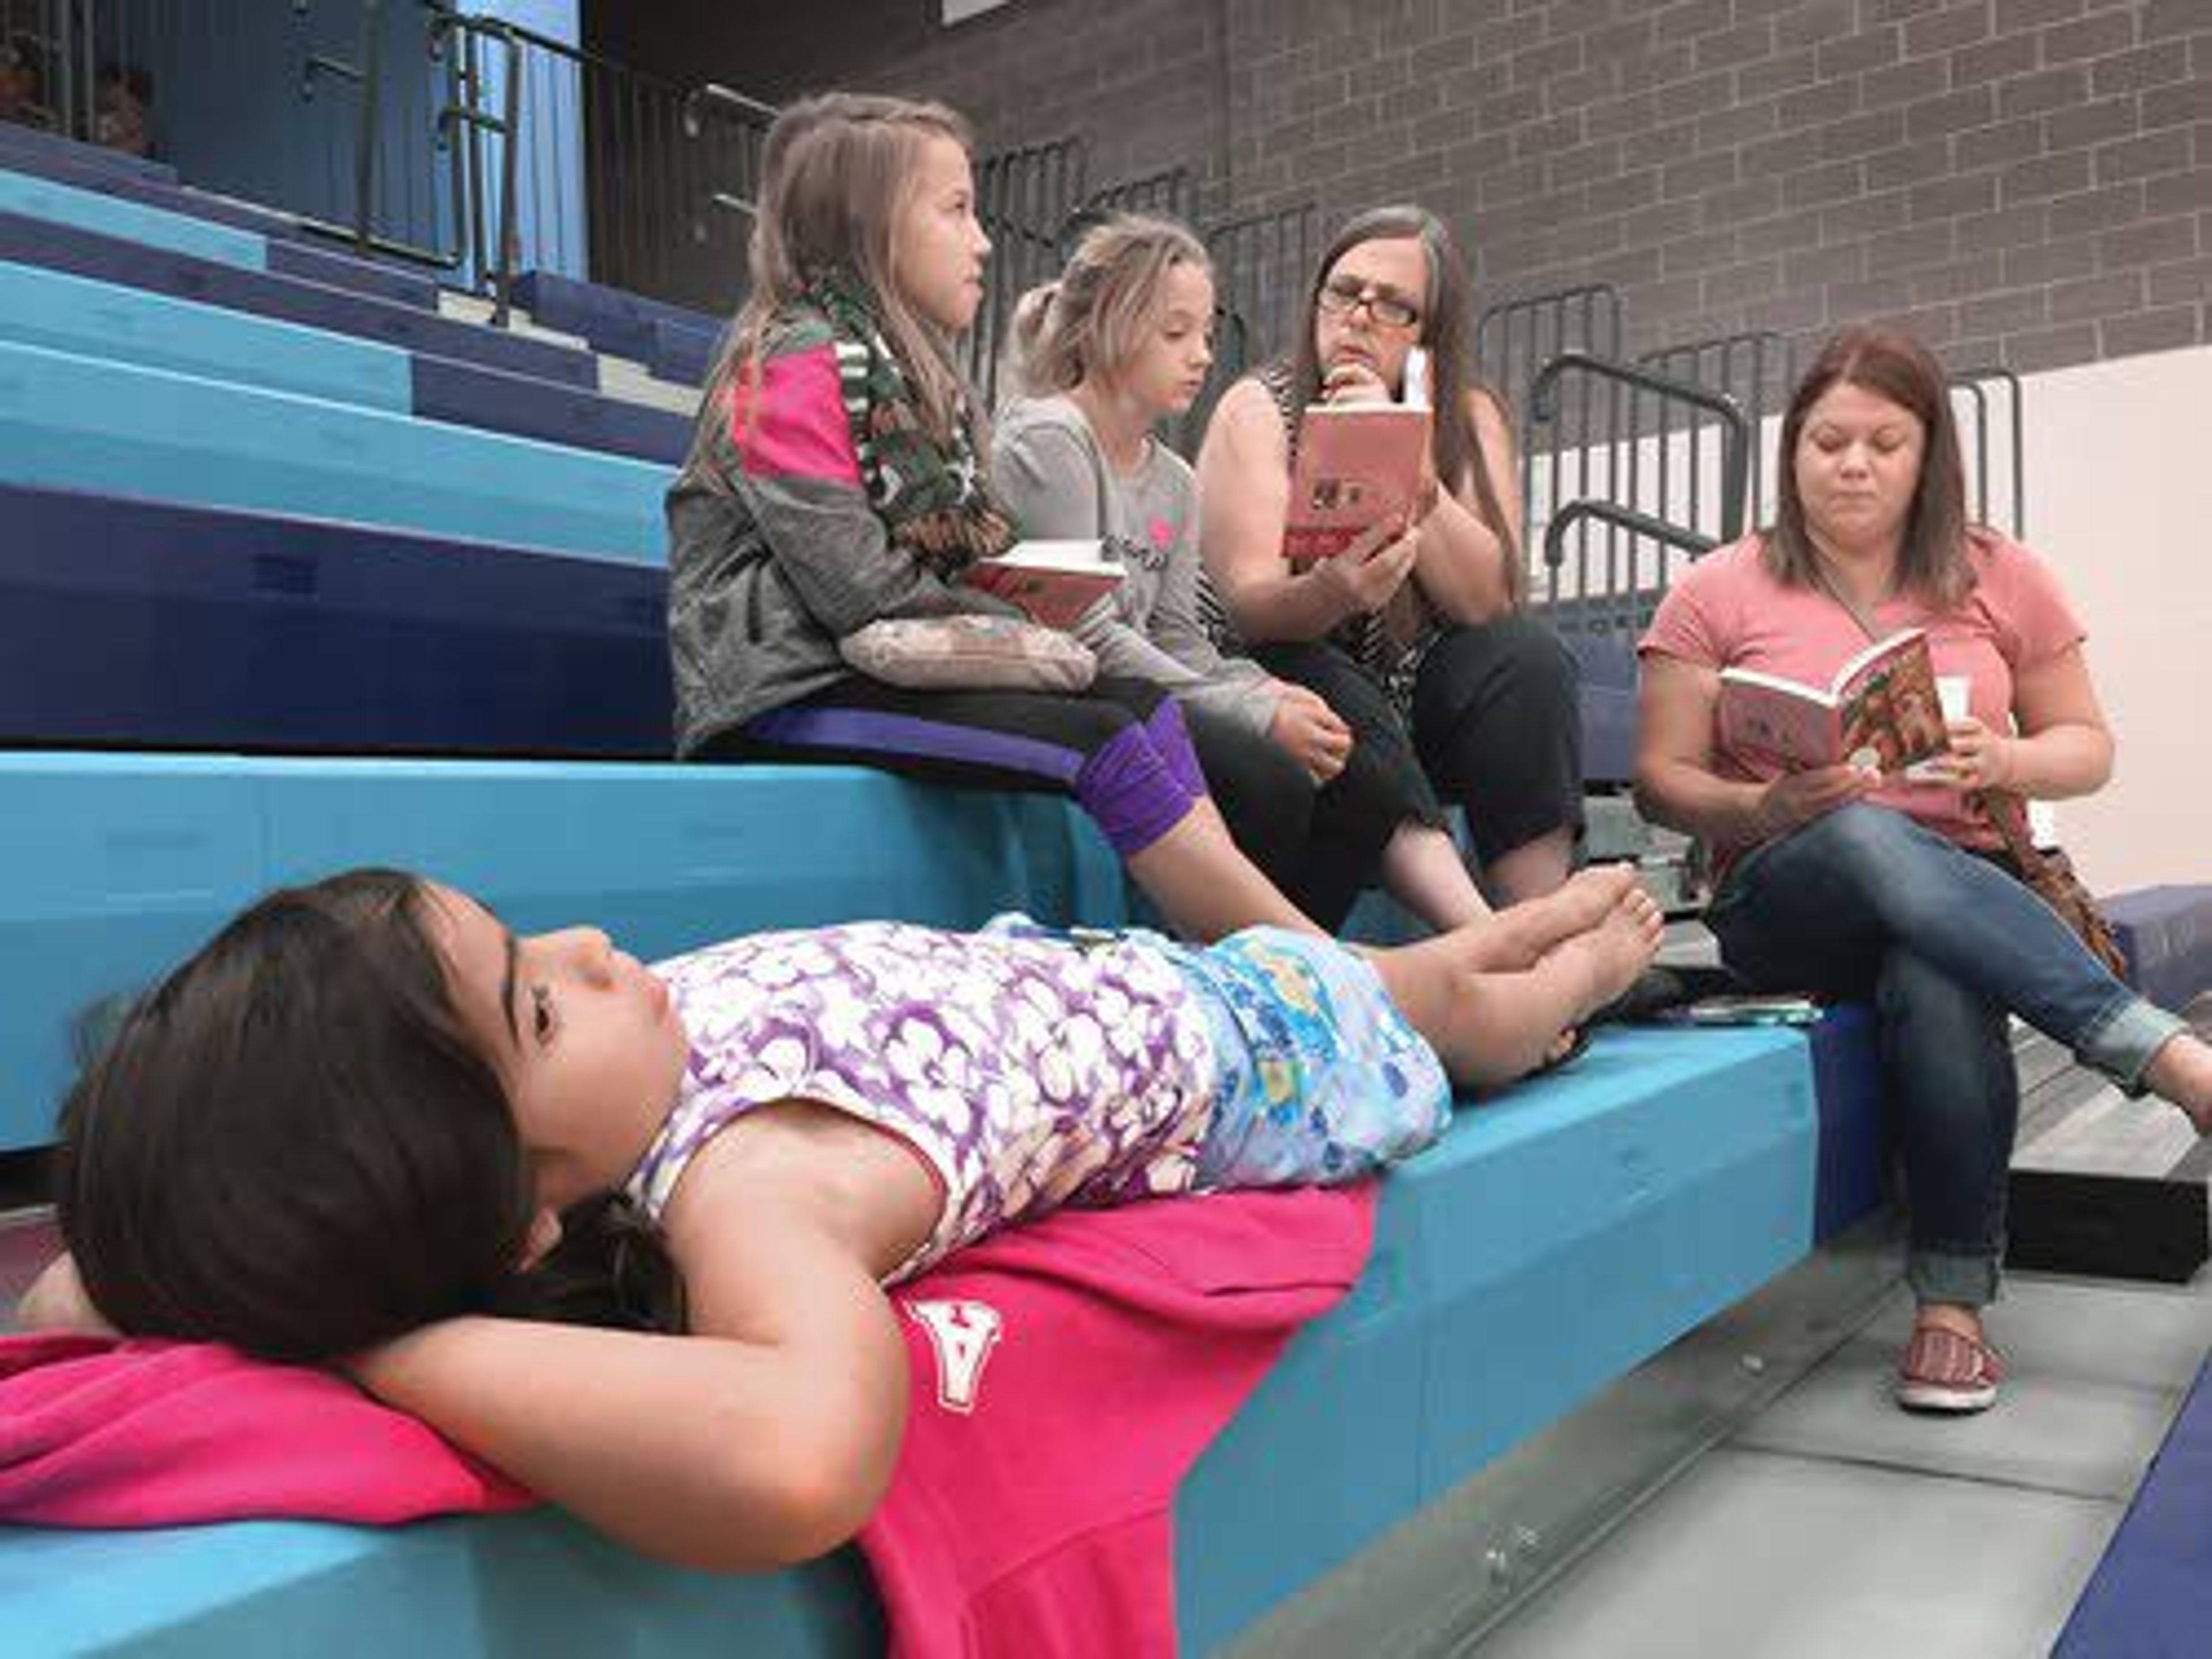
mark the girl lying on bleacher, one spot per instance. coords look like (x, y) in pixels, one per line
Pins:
(836, 483)
(366, 1120)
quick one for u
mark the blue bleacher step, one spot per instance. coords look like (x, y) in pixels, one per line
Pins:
(29, 146)
(57, 312)
(239, 282)
(71, 422)
(286, 254)
(121, 863)
(57, 204)
(621, 324)
(158, 624)
(131, 326)
(2151, 1594)
(2166, 932)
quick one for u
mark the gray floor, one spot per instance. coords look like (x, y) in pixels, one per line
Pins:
(1833, 1524)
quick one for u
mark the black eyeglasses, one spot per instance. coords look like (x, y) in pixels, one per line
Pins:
(1341, 295)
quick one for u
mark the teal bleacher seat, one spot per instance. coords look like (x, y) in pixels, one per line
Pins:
(56, 312)
(74, 422)
(135, 328)
(41, 198)
(121, 863)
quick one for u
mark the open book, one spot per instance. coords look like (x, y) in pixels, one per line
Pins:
(1881, 712)
(1056, 582)
(1357, 464)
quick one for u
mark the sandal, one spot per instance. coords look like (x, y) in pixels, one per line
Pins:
(1944, 1370)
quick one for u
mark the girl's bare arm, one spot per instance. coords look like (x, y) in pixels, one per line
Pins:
(764, 1438)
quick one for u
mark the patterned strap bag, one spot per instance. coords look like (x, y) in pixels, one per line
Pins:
(2049, 873)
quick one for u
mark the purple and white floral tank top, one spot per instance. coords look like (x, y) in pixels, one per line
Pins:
(1028, 1071)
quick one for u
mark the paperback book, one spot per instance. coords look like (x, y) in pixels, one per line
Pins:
(1881, 713)
(1358, 463)
(1056, 582)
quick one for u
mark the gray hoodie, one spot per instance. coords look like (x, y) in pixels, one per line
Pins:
(774, 559)
(1048, 468)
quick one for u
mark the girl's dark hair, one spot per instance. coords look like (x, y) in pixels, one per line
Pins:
(1447, 324)
(292, 1145)
(1934, 563)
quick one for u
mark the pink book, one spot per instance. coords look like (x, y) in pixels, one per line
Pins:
(1358, 463)
(1881, 713)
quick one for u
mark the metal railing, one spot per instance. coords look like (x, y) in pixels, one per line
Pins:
(1665, 476)
(1759, 370)
(1982, 426)
(1170, 191)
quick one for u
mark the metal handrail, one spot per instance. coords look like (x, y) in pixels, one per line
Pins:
(496, 265)
(1735, 440)
(1695, 543)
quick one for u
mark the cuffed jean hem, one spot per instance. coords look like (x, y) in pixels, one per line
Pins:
(1968, 1281)
(2122, 1045)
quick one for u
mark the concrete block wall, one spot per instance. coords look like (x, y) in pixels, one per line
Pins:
(2025, 182)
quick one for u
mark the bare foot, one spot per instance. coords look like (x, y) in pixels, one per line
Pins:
(1515, 938)
(2181, 1071)
(1619, 948)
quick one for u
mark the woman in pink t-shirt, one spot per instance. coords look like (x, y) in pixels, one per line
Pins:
(1854, 885)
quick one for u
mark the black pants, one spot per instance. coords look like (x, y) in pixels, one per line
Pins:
(1495, 729)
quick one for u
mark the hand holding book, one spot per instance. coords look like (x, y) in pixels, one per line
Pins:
(1362, 460)
(1980, 758)
(1882, 713)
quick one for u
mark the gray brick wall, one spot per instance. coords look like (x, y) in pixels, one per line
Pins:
(2020, 181)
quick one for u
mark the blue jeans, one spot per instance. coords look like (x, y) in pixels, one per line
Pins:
(1866, 901)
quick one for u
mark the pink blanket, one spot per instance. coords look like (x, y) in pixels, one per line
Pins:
(94, 1432)
(1065, 1376)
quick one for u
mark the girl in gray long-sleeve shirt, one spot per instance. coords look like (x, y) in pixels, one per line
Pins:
(1121, 342)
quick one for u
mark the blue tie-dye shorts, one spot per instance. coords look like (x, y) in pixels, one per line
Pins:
(1322, 1080)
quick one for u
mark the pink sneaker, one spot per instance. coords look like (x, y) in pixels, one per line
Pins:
(1945, 1372)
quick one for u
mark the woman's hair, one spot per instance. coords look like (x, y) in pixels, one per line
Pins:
(836, 171)
(292, 1144)
(1447, 321)
(1934, 561)
(1093, 320)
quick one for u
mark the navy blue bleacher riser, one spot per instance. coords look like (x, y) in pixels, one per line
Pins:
(469, 394)
(2151, 1594)
(29, 146)
(154, 624)
(681, 354)
(1608, 666)
(312, 262)
(286, 256)
(620, 324)
(290, 299)
(2167, 934)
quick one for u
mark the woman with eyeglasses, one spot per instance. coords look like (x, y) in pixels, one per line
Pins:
(1414, 634)
(1122, 340)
